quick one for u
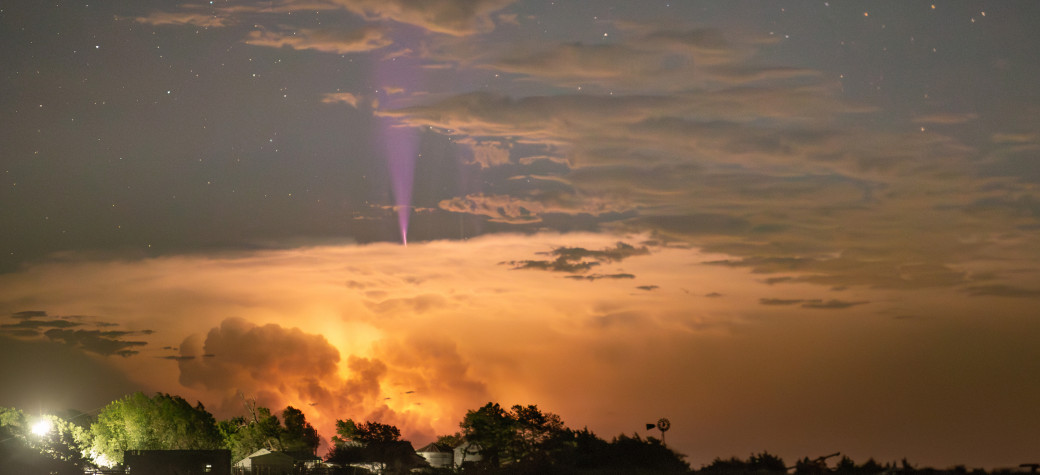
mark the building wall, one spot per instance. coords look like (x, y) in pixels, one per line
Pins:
(178, 462)
(438, 459)
(466, 453)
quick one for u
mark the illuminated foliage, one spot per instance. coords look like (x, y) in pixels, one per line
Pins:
(45, 441)
(349, 432)
(163, 422)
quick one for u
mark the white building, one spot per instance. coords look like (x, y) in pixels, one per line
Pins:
(438, 456)
(466, 452)
(266, 462)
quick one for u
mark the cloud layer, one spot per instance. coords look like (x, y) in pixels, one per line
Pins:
(416, 336)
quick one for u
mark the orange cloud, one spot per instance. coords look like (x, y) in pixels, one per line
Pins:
(415, 336)
(326, 40)
(194, 18)
(342, 97)
(452, 17)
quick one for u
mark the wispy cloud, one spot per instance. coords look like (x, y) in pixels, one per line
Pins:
(1002, 290)
(215, 18)
(325, 40)
(452, 17)
(105, 343)
(348, 98)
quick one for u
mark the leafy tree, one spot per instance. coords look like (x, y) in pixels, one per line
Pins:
(243, 436)
(649, 455)
(368, 442)
(58, 448)
(579, 449)
(162, 422)
(766, 462)
(298, 434)
(493, 429)
(536, 431)
(524, 433)
(349, 432)
(731, 465)
(450, 440)
(870, 467)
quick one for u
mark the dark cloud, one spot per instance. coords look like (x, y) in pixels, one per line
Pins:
(696, 224)
(1019, 162)
(36, 324)
(858, 267)
(830, 304)
(765, 301)
(601, 276)
(558, 265)
(648, 287)
(531, 208)
(811, 303)
(1001, 290)
(577, 260)
(176, 358)
(618, 253)
(499, 208)
(713, 295)
(1021, 206)
(105, 343)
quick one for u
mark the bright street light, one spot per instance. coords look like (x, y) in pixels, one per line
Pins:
(42, 427)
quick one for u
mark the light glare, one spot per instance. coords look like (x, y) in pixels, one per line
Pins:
(42, 427)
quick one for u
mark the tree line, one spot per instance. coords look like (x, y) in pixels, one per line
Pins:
(516, 440)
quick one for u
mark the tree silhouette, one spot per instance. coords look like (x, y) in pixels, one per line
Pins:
(243, 436)
(493, 429)
(298, 435)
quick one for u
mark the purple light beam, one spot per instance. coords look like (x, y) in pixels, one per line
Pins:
(401, 145)
(399, 141)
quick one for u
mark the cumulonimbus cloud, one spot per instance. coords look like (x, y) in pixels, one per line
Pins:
(278, 366)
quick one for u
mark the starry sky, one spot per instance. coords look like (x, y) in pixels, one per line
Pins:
(801, 227)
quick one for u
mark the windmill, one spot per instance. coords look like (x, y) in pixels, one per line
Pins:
(661, 425)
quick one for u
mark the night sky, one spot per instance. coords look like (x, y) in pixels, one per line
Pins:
(801, 227)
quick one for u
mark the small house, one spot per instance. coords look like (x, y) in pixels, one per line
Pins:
(437, 455)
(266, 462)
(466, 452)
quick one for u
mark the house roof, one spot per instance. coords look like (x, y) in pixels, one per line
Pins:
(435, 448)
(267, 454)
